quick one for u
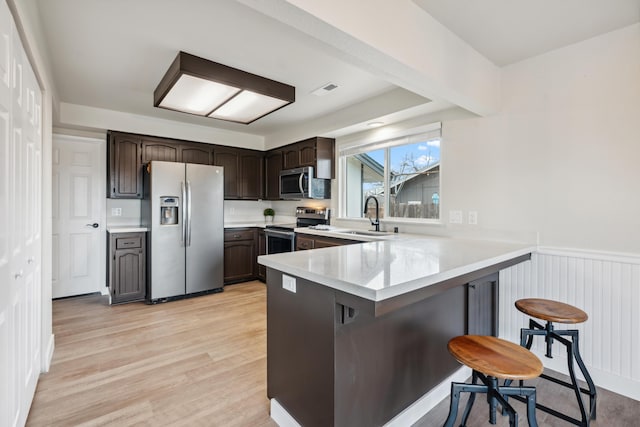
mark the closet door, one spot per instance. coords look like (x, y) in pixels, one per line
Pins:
(20, 227)
(6, 278)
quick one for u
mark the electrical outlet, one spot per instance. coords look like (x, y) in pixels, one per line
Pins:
(473, 217)
(455, 217)
(116, 211)
(289, 283)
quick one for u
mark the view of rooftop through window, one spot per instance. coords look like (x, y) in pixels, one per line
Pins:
(409, 187)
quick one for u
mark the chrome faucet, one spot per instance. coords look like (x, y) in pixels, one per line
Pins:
(375, 223)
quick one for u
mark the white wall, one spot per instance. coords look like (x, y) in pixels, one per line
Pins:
(561, 157)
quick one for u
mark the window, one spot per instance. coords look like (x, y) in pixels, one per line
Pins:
(403, 174)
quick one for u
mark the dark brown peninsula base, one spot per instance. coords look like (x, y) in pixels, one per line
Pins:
(335, 359)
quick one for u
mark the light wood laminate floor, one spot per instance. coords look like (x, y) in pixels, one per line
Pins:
(195, 362)
(199, 362)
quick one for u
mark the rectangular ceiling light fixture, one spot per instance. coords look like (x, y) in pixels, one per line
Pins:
(198, 86)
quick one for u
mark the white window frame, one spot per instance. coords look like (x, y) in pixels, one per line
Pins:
(383, 140)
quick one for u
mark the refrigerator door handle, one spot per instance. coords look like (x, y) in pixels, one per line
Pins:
(188, 213)
(184, 214)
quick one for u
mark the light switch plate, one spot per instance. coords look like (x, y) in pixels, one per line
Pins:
(116, 211)
(289, 283)
(455, 217)
(473, 217)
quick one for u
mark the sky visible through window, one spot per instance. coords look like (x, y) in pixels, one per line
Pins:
(423, 154)
(405, 159)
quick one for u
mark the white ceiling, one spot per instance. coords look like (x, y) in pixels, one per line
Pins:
(508, 31)
(112, 54)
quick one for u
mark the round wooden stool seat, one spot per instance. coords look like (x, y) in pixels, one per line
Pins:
(495, 357)
(551, 311)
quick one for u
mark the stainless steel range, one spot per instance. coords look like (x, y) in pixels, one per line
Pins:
(282, 238)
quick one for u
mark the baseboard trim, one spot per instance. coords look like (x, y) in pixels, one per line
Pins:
(409, 416)
(427, 402)
(281, 416)
(47, 355)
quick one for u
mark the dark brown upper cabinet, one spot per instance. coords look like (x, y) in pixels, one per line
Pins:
(272, 168)
(248, 174)
(317, 152)
(251, 174)
(193, 152)
(124, 174)
(228, 158)
(157, 149)
(243, 172)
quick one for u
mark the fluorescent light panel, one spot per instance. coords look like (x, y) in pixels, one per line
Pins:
(247, 107)
(197, 86)
(197, 96)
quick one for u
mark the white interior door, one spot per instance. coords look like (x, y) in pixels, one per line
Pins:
(6, 279)
(79, 235)
(20, 226)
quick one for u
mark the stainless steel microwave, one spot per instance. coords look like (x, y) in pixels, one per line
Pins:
(300, 184)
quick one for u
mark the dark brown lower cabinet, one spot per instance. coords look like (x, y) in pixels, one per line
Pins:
(240, 253)
(127, 267)
(311, 241)
(482, 306)
(331, 361)
(262, 250)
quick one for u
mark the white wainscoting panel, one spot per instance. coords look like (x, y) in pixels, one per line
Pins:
(607, 287)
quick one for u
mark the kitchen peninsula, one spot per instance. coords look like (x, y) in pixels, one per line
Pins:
(357, 333)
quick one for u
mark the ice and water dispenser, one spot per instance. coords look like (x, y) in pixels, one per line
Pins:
(169, 210)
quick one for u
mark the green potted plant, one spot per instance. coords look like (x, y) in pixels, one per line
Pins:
(268, 214)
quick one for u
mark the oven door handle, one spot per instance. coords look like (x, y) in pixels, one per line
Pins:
(282, 234)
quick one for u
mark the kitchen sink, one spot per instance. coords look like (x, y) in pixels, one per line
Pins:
(366, 233)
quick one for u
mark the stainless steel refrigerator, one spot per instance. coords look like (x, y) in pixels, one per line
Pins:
(183, 209)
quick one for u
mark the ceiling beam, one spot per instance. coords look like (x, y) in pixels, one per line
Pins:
(399, 42)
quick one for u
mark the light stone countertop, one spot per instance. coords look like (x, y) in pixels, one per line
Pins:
(258, 224)
(344, 233)
(126, 229)
(244, 224)
(384, 269)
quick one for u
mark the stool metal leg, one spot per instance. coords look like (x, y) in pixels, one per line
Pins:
(456, 389)
(573, 353)
(495, 395)
(453, 406)
(585, 374)
(513, 415)
(531, 409)
(493, 401)
(472, 398)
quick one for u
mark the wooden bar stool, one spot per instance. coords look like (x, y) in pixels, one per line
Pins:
(554, 311)
(491, 359)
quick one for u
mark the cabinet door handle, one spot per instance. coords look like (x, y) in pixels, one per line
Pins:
(18, 275)
(94, 225)
(348, 314)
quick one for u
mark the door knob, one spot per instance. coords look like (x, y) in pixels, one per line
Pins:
(94, 225)
(18, 275)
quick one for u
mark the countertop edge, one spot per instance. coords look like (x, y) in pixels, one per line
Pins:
(125, 229)
(404, 288)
